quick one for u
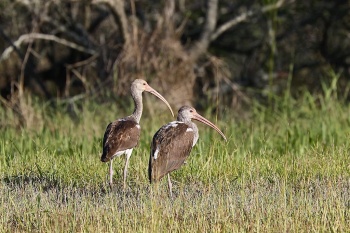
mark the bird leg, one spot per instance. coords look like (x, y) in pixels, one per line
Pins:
(128, 155)
(170, 186)
(110, 174)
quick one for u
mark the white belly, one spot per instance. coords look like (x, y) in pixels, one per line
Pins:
(127, 152)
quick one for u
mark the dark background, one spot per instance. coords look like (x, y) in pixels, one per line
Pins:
(64, 49)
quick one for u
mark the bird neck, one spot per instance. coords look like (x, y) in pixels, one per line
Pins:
(192, 126)
(138, 106)
(195, 132)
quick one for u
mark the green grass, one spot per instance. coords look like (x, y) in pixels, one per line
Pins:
(283, 169)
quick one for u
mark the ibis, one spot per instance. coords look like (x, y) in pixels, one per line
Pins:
(173, 142)
(122, 135)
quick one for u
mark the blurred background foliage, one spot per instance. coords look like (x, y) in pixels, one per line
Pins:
(192, 51)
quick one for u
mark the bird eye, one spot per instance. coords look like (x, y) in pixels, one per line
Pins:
(144, 84)
(191, 110)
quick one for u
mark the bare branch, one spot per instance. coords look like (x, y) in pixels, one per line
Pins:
(202, 44)
(243, 17)
(2, 33)
(78, 34)
(38, 36)
(169, 11)
(118, 10)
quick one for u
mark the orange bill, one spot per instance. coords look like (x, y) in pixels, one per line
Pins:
(154, 92)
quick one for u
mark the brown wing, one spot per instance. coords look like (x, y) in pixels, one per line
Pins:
(119, 136)
(170, 147)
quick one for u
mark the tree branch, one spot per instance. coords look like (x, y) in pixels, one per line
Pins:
(202, 44)
(32, 36)
(2, 33)
(118, 10)
(243, 17)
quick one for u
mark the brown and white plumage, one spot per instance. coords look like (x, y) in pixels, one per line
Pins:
(170, 148)
(122, 135)
(173, 143)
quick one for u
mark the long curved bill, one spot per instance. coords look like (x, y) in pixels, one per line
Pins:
(154, 92)
(198, 117)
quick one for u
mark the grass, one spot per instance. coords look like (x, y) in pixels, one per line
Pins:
(283, 169)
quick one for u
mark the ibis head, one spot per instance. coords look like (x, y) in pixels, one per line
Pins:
(187, 113)
(139, 85)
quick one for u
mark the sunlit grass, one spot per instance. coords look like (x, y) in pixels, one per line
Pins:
(282, 170)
